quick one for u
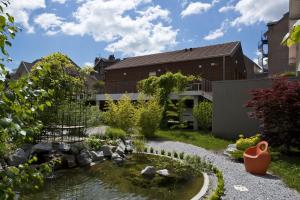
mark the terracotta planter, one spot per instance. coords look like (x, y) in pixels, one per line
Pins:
(257, 159)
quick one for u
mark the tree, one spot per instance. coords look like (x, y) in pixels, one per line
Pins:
(278, 112)
(293, 37)
(163, 86)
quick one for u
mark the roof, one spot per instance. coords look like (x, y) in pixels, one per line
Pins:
(211, 51)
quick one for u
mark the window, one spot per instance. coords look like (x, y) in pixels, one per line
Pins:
(152, 73)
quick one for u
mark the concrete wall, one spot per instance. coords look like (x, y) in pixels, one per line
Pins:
(230, 117)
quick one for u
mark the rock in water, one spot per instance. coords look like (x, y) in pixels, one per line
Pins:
(41, 148)
(163, 172)
(70, 160)
(97, 156)
(84, 158)
(107, 152)
(148, 171)
(17, 158)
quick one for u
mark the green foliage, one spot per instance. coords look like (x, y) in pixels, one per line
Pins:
(163, 152)
(163, 86)
(175, 154)
(93, 143)
(115, 133)
(201, 139)
(293, 37)
(94, 116)
(238, 155)
(219, 192)
(174, 113)
(148, 116)
(244, 143)
(119, 114)
(151, 150)
(181, 155)
(22, 178)
(139, 145)
(288, 74)
(203, 114)
(146, 149)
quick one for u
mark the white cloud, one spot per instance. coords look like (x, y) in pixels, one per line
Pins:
(219, 32)
(126, 28)
(59, 1)
(226, 8)
(195, 8)
(254, 11)
(88, 64)
(22, 10)
(49, 22)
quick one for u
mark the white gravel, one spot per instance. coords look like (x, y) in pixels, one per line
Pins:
(268, 187)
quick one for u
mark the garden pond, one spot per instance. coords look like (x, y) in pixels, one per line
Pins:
(107, 180)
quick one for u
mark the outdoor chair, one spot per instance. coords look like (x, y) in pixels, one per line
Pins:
(257, 159)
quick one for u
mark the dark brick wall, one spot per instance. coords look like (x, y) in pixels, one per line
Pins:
(125, 80)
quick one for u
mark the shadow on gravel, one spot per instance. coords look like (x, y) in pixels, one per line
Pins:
(267, 176)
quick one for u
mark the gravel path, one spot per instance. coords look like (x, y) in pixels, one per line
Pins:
(267, 187)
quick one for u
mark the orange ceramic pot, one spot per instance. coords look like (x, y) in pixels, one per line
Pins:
(257, 159)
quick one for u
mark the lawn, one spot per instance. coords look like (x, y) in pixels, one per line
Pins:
(288, 168)
(201, 139)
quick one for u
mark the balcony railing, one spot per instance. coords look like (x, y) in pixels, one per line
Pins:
(203, 85)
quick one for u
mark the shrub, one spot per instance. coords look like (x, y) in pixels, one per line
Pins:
(162, 152)
(115, 133)
(181, 155)
(278, 112)
(93, 143)
(245, 143)
(203, 114)
(151, 150)
(146, 149)
(139, 145)
(119, 114)
(94, 117)
(175, 154)
(148, 116)
(169, 154)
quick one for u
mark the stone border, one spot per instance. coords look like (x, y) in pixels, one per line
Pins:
(205, 186)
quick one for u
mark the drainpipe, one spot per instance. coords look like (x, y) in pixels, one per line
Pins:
(224, 72)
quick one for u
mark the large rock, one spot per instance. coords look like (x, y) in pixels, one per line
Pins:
(120, 151)
(27, 149)
(97, 156)
(148, 171)
(17, 158)
(107, 152)
(84, 158)
(163, 172)
(230, 148)
(117, 159)
(128, 149)
(69, 160)
(77, 147)
(62, 147)
(42, 148)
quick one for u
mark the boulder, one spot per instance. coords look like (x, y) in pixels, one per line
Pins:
(77, 147)
(27, 149)
(116, 158)
(163, 172)
(148, 171)
(62, 147)
(17, 158)
(69, 160)
(230, 148)
(107, 152)
(120, 151)
(42, 148)
(128, 149)
(97, 156)
(84, 158)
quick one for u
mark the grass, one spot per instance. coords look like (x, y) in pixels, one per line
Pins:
(288, 168)
(201, 139)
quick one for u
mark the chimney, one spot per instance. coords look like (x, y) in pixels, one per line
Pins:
(111, 57)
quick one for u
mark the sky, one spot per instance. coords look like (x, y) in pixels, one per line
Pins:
(84, 29)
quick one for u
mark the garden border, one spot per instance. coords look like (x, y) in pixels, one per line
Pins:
(205, 186)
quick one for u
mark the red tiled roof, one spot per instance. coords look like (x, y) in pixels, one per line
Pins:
(178, 56)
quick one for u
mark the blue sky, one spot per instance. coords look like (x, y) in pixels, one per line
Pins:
(84, 29)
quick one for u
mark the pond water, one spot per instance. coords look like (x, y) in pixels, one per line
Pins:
(107, 181)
